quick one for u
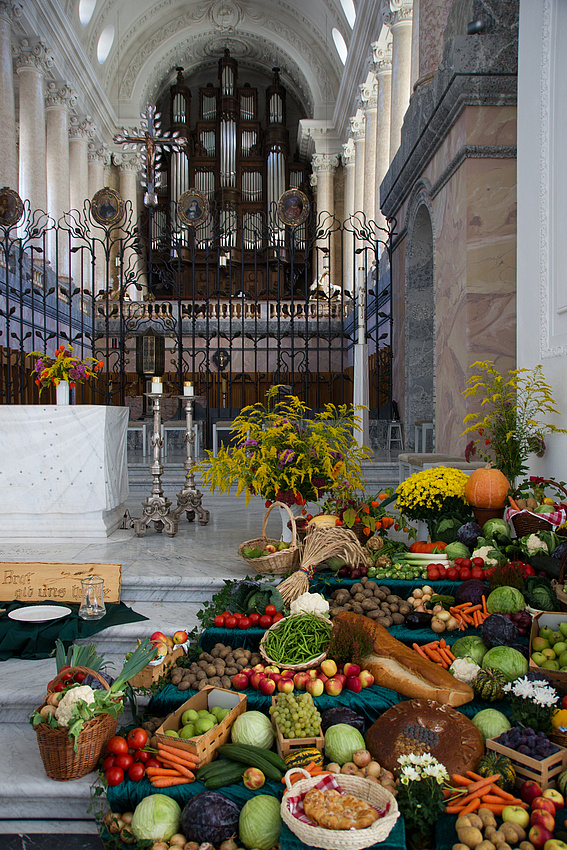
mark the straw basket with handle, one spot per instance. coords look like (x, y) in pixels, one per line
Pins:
(60, 760)
(343, 839)
(525, 522)
(276, 563)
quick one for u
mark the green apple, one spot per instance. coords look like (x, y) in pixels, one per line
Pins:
(515, 814)
(538, 658)
(189, 716)
(539, 644)
(187, 731)
(554, 844)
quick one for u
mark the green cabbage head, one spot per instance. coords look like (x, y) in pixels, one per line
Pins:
(506, 659)
(505, 600)
(156, 818)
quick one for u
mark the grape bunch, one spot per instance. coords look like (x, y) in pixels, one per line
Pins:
(529, 743)
(296, 716)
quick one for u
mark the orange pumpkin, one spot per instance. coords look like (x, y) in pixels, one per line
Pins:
(487, 488)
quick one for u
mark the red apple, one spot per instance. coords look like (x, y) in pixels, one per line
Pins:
(538, 835)
(253, 778)
(341, 677)
(180, 636)
(516, 814)
(315, 687)
(247, 671)
(312, 673)
(333, 687)
(300, 680)
(351, 669)
(529, 791)
(353, 683)
(271, 668)
(544, 803)
(540, 817)
(366, 678)
(240, 681)
(256, 678)
(329, 667)
(288, 674)
(322, 677)
(555, 797)
(259, 668)
(267, 687)
(162, 649)
(275, 677)
(285, 686)
(159, 637)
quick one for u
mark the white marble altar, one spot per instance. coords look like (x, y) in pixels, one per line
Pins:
(64, 471)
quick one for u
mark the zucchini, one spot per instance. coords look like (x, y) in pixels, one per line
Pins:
(228, 776)
(446, 601)
(213, 767)
(252, 757)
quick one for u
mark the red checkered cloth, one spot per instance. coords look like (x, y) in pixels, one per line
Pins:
(326, 783)
(554, 519)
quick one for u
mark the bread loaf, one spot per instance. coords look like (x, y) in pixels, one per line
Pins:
(401, 669)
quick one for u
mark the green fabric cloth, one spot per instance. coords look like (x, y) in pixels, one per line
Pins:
(37, 640)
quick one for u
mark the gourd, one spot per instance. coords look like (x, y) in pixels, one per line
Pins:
(489, 683)
(492, 763)
(487, 488)
(562, 783)
(301, 758)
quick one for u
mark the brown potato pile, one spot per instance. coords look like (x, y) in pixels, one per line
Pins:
(373, 600)
(215, 668)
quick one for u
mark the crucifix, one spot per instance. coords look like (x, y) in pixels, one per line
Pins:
(151, 142)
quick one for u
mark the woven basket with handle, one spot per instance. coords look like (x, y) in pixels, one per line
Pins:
(57, 752)
(341, 839)
(277, 563)
(526, 522)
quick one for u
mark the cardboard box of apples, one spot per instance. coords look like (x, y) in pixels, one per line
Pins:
(169, 649)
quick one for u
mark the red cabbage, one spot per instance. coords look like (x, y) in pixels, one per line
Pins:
(471, 591)
(209, 818)
(342, 714)
(498, 630)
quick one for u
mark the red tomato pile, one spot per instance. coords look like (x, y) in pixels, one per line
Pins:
(127, 757)
(464, 569)
(67, 679)
(228, 620)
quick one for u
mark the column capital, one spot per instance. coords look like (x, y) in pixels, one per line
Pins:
(324, 163)
(358, 126)
(127, 161)
(401, 12)
(81, 127)
(33, 54)
(10, 10)
(99, 153)
(381, 57)
(348, 154)
(59, 94)
(369, 92)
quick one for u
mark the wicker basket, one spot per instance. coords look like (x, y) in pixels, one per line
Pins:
(277, 563)
(307, 665)
(341, 839)
(60, 760)
(528, 523)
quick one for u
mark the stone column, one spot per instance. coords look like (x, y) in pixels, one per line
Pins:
(324, 167)
(32, 61)
(8, 136)
(81, 131)
(400, 23)
(128, 167)
(348, 245)
(383, 69)
(369, 98)
(98, 156)
(358, 130)
(436, 13)
(57, 102)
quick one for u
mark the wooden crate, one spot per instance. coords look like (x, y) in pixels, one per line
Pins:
(286, 746)
(152, 672)
(543, 772)
(204, 746)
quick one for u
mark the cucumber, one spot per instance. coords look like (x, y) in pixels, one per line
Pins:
(269, 755)
(228, 776)
(251, 757)
(213, 767)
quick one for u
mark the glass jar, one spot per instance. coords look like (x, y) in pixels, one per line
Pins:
(92, 601)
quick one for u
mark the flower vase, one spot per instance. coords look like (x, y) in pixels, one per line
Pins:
(287, 533)
(422, 530)
(62, 393)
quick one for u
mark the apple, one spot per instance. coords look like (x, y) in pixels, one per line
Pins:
(256, 678)
(341, 677)
(276, 677)
(315, 687)
(351, 669)
(366, 678)
(285, 686)
(529, 791)
(162, 649)
(169, 641)
(288, 674)
(555, 844)
(271, 668)
(540, 817)
(247, 671)
(180, 636)
(555, 797)
(544, 803)
(259, 668)
(300, 680)
(253, 778)
(353, 683)
(158, 636)
(322, 677)
(329, 668)
(515, 814)
(333, 687)
(270, 548)
(240, 681)
(267, 687)
(538, 835)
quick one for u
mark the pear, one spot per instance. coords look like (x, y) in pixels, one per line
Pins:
(547, 634)
(539, 644)
(563, 628)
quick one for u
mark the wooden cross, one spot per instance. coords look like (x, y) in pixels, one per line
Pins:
(151, 142)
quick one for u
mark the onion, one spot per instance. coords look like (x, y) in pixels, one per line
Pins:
(417, 593)
(373, 769)
(428, 589)
(437, 608)
(453, 624)
(349, 768)
(127, 818)
(361, 758)
(426, 597)
(438, 625)
(443, 615)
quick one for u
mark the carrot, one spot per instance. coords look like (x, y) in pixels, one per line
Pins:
(496, 810)
(419, 650)
(492, 798)
(477, 619)
(450, 654)
(178, 765)
(454, 810)
(180, 768)
(443, 643)
(182, 754)
(513, 504)
(431, 653)
(444, 656)
(170, 781)
(484, 608)
(472, 795)
(457, 779)
(503, 794)
(463, 605)
(161, 771)
(471, 807)
(475, 776)
(482, 782)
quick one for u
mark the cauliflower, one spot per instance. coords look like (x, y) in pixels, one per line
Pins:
(491, 556)
(66, 706)
(309, 603)
(534, 546)
(464, 669)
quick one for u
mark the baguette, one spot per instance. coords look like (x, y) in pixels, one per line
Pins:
(396, 666)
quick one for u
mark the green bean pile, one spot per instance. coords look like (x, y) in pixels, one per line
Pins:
(298, 639)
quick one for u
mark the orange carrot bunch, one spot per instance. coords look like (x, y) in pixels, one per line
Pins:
(470, 615)
(437, 651)
(471, 792)
(177, 767)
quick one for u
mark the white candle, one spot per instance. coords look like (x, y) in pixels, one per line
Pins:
(188, 388)
(157, 385)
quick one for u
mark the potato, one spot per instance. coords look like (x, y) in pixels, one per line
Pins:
(513, 832)
(498, 838)
(470, 836)
(526, 845)
(485, 845)
(486, 816)
(459, 847)
(469, 820)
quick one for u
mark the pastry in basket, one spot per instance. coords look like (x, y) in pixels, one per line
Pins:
(333, 810)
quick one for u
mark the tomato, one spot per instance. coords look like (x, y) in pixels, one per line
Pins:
(564, 702)
(219, 621)
(458, 562)
(226, 614)
(442, 568)
(114, 776)
(230, 622)
(465, 574)
(244, 623)
(276, 618)
(153, 763)
(137, 738)
(466, 562)
(80, 677)
(477, 573)
(432, 573)
(142, 755)
(452, 574)
(108, 762)
(265, 621)
(117, 745)
(238, 615)
(136, 771)
(124, 760)
(66, 678)
(529, 570)
(478, 562)
(254, 618)
(270, 609)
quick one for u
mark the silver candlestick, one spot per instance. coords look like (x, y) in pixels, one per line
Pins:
(156, 506)
(189, 498)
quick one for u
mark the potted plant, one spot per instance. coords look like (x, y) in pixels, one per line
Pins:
(433, 495)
